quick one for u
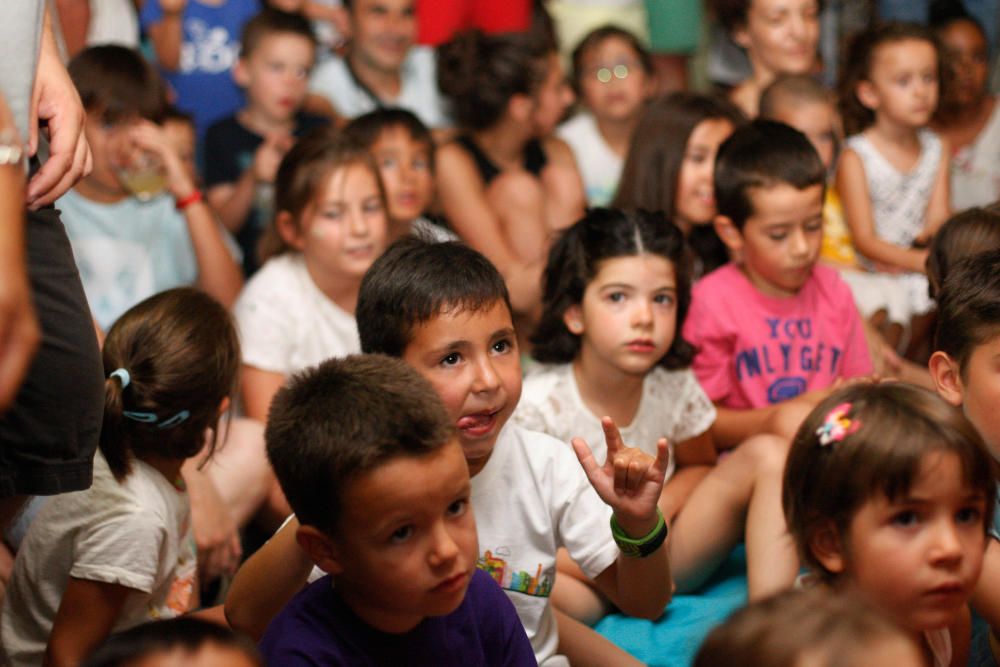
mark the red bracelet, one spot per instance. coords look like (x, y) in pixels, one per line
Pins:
(192, 198)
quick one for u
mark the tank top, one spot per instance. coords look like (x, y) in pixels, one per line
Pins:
(534, 158)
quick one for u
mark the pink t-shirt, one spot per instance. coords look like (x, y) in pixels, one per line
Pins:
(755, 350)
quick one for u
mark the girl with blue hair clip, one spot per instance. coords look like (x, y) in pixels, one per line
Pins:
(121, 553)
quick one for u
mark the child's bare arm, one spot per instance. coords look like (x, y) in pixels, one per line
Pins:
(232, 201)
(83, 621)
(168, 34)
(565, 197)
(583, 647)
(939, 206)
(630, 482)
(854, 194)
(218, 273)
(267, 581)
(464, 202)
(258, 388)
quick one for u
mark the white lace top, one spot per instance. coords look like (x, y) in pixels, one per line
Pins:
(899, 200)
(673, 405)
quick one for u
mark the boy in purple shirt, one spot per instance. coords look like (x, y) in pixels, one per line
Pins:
(774, 330)
(373, 468)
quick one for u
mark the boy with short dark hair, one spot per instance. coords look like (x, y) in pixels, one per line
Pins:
(243, 151)
(964, 368)
(772, 325)
(370, 463)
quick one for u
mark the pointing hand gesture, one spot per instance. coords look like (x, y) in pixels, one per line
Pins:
(630, 481)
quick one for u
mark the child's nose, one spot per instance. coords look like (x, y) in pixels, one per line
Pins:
(487, 378)
(947, 543)
(799, 243)
(444, 549)
(359, 223)
(642, 313)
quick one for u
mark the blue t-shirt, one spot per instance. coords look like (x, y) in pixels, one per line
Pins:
(210, 46)
(317, 628)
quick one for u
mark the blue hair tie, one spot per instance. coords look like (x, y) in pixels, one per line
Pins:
(151, 419)
(122, 376)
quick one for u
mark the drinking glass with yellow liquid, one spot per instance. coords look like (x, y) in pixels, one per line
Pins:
(143, 175)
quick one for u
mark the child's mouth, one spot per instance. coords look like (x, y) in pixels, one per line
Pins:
(641, 345)
(479, 424)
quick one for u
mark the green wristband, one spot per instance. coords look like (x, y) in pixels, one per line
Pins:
(642, 547)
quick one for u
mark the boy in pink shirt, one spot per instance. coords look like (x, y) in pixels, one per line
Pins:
(774, 330)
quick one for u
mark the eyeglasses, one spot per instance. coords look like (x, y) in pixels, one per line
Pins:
(605, 73)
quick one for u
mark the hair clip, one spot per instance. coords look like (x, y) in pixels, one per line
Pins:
(122, 375)
(837, 425)
(150, 418)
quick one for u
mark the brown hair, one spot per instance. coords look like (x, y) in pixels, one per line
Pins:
(732, 14)
(792, 89)
(965, 234)
(480, 73)
(181, 354)
(343, 418)
(858, 67)
(304, 173)
(272, 21)
(115, 83)
(834, 626)
(969, 307)
(897, 425)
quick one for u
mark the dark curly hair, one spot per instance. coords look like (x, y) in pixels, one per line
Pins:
(575, 259)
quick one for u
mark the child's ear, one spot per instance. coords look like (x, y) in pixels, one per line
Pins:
(741, 36)
(520, 107)
(947, 377)
(573, 319)
(224, 405)
(321, 548)
(827, 547)
(240, 74)
(288, 230)
(866, 94)
(728, 232)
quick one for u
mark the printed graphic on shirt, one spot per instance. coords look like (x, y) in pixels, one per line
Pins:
(787, 360)
(211, 49)
(495, 564)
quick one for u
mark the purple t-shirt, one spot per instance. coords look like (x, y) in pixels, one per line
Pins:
(317, 628)
(210, 46)
(756, 350)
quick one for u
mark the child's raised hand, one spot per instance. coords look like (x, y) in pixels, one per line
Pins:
(149, 136)
(268, 156)
(173, 6)
(630, 481)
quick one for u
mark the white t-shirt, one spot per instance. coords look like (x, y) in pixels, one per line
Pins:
(135, 534)
(975, 169)
(599, 166)
(531, 498)
(286, 323)
(673, 405)
(419, 92)
(113, 22)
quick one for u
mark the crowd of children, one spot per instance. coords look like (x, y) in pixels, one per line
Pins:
(420, 350)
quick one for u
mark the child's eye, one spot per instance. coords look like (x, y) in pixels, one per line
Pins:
(387, 163)
(907, 518)
(373, 206)
(968, 515)
(502, 346)
(332, 214)
(401, 534)
(616, 297)
(420, 163)
(814, 226)
(665, 299)
(452, 359)
(778, 236)
(458, 507)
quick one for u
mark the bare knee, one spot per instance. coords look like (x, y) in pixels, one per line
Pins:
(767, 453)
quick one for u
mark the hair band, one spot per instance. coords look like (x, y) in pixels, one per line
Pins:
(151, 418)
(837, 425)
(122, 376)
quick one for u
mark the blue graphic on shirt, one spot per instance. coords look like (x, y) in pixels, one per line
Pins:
(791, 356)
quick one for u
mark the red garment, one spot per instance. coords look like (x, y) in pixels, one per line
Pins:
(439, 20)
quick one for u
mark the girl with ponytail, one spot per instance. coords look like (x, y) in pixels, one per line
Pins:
(122, 552)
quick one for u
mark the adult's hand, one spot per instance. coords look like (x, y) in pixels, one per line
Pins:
(54, 101)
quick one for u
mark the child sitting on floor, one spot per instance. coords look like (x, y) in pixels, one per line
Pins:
(617, 291)
(244, 149)
(122, 552)
(373, 468)
(888, 492)
(774, 330)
